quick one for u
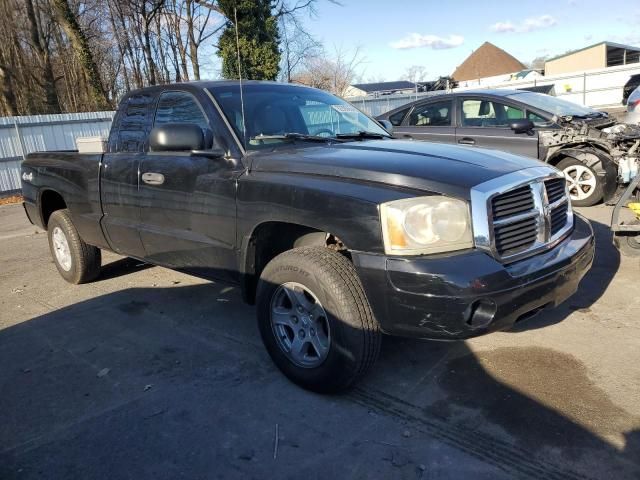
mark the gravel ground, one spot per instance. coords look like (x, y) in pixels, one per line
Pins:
(149, 373)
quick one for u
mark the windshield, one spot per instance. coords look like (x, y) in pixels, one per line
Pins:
(278, 113)
(554, 105)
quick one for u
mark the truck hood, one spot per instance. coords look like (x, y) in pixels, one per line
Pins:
(433, 167)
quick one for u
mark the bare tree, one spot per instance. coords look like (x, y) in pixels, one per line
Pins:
(82, 55)
(80, 44)
(298, 46)
(538, 62)
(415, 73)
(199, 30)
(334, 74)
(40, 38)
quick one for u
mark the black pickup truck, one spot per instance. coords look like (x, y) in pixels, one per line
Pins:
(336, 231)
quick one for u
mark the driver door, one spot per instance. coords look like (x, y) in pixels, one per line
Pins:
(484, 122)
(188, 202)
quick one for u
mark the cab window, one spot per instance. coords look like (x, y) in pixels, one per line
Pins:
(179, 107)
(134, 120)
(435, 114)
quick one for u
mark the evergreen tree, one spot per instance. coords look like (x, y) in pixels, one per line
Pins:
(258, 39)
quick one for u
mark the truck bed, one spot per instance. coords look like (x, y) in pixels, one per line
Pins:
(76, 178)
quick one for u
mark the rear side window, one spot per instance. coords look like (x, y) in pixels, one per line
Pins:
(135, 121)
(396, 118)
(435, 114)
(179, 107)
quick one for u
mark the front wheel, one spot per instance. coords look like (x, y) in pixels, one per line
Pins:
(585, 187)
(76, 261)
(315, 320)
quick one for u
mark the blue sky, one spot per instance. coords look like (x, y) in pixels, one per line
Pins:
(396, 34)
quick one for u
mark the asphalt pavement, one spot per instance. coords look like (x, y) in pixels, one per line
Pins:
(152, 374)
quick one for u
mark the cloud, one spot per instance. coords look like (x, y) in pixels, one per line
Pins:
(416, 40)
(627, 39)
(527, 25)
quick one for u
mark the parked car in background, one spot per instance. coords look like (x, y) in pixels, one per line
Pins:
(336, 231)
(633, 102)
(571, 137)
(632, 84)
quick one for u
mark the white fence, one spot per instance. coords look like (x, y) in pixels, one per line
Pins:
(22, 135)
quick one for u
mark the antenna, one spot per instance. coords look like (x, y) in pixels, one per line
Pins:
(244, 125)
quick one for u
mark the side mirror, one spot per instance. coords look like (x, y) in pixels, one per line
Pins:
(521, 125)
(176, 137)
(387, 125)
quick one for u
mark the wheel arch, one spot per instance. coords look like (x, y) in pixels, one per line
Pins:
(49, 201)
(597, 158)
(271, 238)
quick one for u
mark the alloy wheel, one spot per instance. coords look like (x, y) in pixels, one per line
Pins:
(581, 181)
(61, 248)
(300, 325)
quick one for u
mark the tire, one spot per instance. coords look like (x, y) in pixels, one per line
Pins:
(76, 261)
(592, 183)
(349, 332)
(628, 244)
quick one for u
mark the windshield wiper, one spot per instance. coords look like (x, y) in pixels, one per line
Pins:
(296, 136)
(362, 134)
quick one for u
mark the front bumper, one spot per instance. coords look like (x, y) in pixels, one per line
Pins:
(463, 295)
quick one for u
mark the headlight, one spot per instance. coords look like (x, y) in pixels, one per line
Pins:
(423, 225)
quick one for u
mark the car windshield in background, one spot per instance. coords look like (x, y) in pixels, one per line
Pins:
(284, 113)
(555, 105)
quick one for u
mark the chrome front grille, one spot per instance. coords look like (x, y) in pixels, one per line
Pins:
(555, 189)
(524, 213)
(558, 218)
(511, 203)
(511, 238)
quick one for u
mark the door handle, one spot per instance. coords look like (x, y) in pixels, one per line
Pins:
(467, 141)
(406, 135)
(151, 178)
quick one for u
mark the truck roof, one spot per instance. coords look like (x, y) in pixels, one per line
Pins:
(209, 84)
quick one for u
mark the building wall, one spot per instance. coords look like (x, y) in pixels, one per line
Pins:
(591, 58)
(352, 91)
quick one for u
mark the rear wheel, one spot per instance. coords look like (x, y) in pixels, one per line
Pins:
(585, 187)
(315, 320)
(76, 261)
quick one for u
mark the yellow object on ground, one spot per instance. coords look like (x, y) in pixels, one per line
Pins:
(635, 208)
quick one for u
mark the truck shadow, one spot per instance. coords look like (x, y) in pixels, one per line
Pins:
(121, 267)
(120, 384)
